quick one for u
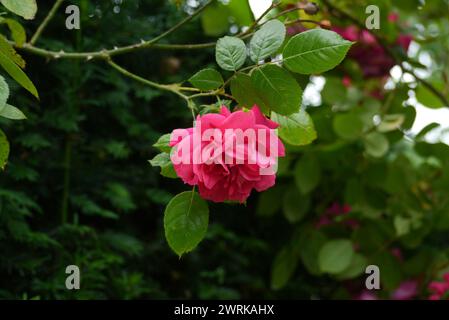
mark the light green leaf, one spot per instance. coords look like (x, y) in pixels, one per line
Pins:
(17, 74)
(348, 126)
(4, 150)
(18, 33)
(296, 129)
(307, 174)
(24, 8)
(356, 267)
(391, 122)
(277, 88)
(186, 219)
(283, 268)
(310, 243)
(163, 143)
(402, 225)
(4, 92)
(267, 40)
(376, 144)
(335, 256)
(428, 98)
(241, 12)
(245, 93)
(215, 20)
(230, 53)
(163, 160)
(315, 51)
(295, 205)
(8, 50)
(207, 79)
(11, 112)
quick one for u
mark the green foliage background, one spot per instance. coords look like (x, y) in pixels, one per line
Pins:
(78, 188)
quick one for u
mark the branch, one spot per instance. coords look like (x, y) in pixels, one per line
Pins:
(105, 54)
(174, 88)
(387, 47)
(44, 23)
(108, 53)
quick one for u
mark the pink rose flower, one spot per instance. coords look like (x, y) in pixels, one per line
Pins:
(225, 171)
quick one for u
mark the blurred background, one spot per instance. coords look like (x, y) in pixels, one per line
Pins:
(78, 188)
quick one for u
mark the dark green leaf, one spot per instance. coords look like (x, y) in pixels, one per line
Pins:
(186, 219)
(245, 93)
(277, 88)
(283, 268)
(315, 51)
(267, 40)
(207, 79)
(307, 174)
(230, 53)
(4, 150)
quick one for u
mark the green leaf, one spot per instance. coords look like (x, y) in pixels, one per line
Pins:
(424, 131)
(348, 126)
(163, 143)
(295, 205)
(17, 74)
(4, 92)
(241, 12)
(296, 129)
(356, 267)
(376, 144)
(391, 122)
(18, 33)
(186, 219)
(8, 50)
(267, 40)
(277, 88)
(207, 79)
(335, 256)
(245, 93)
(315, 51)
(215, 20)
(307, 174)
(24, 8)
(163, 160)
(11, 112)
(310, 243)
(268, 201)
(4, 150)
(428, 98)
(283, 268)
(230, 53)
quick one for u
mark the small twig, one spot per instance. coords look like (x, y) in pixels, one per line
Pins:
(44, 23)
(166, 87)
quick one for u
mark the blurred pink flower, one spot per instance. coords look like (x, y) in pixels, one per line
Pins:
(439, 289)
(406, 290)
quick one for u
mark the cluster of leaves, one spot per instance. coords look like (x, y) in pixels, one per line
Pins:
(273, 88)
(13, 64)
